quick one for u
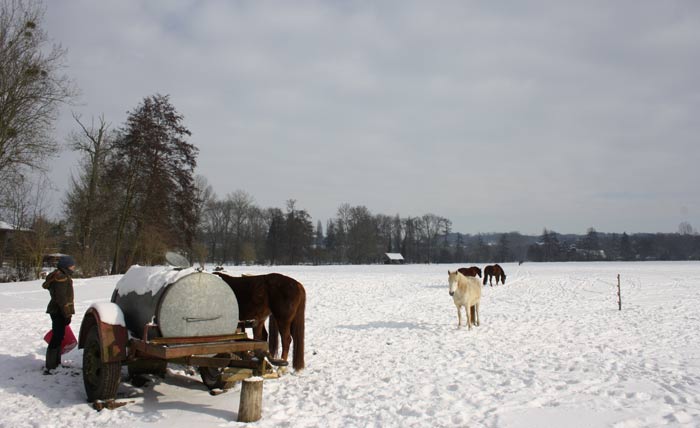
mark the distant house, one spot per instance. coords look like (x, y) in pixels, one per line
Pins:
(8, 238)
(393, 259)
(6, 230)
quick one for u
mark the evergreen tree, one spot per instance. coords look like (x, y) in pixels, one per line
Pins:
(152, 174)
(460, 256)
(318, 241)
(481, 252)
(299, 234)
(502, 249)
(626, 252)
(276, 237)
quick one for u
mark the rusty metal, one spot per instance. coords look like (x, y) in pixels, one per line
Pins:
(207, 361)
(197, 339)
(184, 349)
(113, 339)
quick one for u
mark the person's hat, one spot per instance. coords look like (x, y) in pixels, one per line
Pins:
(65, 262)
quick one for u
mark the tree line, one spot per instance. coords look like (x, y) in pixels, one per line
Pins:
(135, 194)
(234, 230)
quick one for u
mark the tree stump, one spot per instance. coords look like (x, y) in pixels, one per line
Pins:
(250, 407)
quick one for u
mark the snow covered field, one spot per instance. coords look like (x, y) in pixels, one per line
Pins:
(383, 350)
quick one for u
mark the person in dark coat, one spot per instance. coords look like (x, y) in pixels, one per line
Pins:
(60, 308)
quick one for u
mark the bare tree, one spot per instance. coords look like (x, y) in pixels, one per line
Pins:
(432, 227)
(241, 203)
(31, 89)
(685, 228)
(87, 202)
(26, 210)
(362, 236)
(204, 194)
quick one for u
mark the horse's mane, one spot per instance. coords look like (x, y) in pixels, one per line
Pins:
(462, 281)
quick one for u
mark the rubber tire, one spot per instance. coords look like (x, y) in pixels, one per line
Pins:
(212, 377)
(101, 379)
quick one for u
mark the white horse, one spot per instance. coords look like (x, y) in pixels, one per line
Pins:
(465, 291)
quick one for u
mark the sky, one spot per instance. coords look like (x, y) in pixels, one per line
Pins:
(500, 116)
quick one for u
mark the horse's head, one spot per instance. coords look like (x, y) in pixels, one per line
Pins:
(452, 279)
(503, 279)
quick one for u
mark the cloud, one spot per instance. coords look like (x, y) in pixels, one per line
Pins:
(500, 117)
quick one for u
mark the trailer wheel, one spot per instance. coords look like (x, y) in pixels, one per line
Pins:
(212, 377)
(101, 379)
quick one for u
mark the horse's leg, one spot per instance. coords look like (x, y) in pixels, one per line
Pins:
(469, 316)
(273, 341)
(285, 331)
(259, 331)
(476, 313)
(459, 317)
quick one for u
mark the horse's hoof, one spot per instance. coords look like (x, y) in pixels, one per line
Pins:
(278, 362)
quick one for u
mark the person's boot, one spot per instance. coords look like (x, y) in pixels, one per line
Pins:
(53, 359)
(58, 358)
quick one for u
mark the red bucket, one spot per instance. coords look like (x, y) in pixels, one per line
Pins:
(69, 341)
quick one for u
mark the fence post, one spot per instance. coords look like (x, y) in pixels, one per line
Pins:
(250, 407)
(619, 296)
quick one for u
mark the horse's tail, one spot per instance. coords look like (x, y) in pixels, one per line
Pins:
(272, 338)
(298, 333)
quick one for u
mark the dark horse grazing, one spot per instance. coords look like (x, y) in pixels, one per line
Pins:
(471, 271)
(492, 271)
(279, 297)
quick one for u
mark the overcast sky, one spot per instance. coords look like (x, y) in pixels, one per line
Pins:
(501, 116)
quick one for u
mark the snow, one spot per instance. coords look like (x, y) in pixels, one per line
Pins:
(149, 279)
(109, 313)
(383, 350)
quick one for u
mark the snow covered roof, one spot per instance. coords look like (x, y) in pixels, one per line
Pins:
(7, 226)
(394, 256)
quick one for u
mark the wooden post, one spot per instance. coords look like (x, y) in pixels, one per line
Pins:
(619, 296)
(250, 407)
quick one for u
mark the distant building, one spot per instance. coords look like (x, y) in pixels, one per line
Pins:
(6, 230)
(8, 238)
(393, 259)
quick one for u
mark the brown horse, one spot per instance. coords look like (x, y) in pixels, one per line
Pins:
(492, 271)
(471, 271)
(279, 297)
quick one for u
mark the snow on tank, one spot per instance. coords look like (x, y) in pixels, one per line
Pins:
(182, 302)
